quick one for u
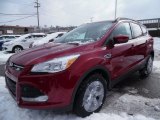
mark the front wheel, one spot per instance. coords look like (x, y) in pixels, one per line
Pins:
(146, 71)
(91, 95)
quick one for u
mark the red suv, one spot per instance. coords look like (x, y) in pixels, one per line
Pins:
(77, 70)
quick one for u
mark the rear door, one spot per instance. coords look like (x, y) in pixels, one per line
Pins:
(121, 53)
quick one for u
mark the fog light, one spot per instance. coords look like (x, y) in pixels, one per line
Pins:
(37, 99)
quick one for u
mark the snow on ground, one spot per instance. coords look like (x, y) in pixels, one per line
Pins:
(157, 43)
(122, 109)
(156, 65)
(4, 57)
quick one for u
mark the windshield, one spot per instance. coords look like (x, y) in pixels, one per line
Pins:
(86, 33)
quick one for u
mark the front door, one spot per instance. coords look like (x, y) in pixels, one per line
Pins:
(122, 53)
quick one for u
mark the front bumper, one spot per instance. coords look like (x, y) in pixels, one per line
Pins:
(49, 91)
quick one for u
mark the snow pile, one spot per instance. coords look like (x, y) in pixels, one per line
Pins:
(127, 107)
(133, 105)
(4, 57)
(156, 66)
(157, 43)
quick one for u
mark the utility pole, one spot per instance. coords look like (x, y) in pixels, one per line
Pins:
(91, 19)
(115, 9)
(37, 6)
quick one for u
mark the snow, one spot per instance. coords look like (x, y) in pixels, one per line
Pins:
(4, 57)
(126, 107)
(157, 43)
(156, 65)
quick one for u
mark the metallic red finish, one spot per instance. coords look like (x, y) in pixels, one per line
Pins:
(61, 87)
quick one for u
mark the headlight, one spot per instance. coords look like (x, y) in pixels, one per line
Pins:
(55, 65)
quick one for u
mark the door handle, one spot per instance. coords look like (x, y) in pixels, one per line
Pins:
(108, 56)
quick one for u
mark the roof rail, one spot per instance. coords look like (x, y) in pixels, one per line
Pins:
(121, 18)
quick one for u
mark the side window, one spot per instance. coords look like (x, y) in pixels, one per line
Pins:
(1, 38)
(38, 36)
(29, 37)
(17, 36)
(11, 37)
(6, 37)
(122, 29)
(59, 35)
(136, 30)
(144, 30)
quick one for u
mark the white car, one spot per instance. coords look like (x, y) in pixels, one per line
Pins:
(22, 42)
(47, 39)
(7, 38)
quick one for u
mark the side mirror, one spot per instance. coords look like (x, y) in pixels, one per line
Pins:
(120, 39)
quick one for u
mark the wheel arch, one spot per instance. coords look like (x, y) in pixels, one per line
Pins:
(152, 54)
(97, 69)
(16, 46)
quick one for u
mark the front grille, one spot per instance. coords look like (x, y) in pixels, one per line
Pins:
(11, 85)
(28, 91)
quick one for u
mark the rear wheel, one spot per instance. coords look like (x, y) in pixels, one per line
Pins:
(17, 49)
(91, 95)
(146, 71)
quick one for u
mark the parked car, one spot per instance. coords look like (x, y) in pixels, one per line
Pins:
(47, 39)
(22, 42)
(77, 71)
(7, 38)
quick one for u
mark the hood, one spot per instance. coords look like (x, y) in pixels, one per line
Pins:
(44, 53)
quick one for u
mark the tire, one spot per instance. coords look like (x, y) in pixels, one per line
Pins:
(17, 49)
(147, 70)
(93, 89)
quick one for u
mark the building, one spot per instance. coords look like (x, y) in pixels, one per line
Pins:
(4, 29)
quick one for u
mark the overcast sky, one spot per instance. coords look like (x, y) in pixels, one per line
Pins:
(76, 12)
